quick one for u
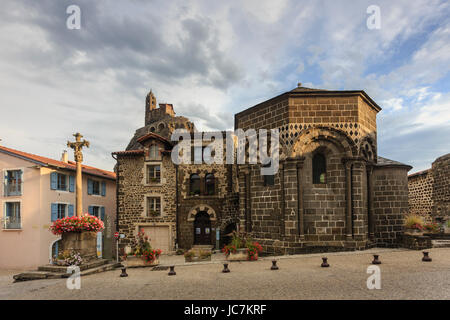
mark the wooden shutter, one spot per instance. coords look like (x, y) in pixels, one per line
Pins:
(53, 180)
(70, 210)
(103, 189)
(54, 211)
(71, 184)
(90, 186)
(5, 184)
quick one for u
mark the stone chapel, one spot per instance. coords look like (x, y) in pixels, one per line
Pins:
(332, 191)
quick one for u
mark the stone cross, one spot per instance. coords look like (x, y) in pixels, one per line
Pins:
(77, 146)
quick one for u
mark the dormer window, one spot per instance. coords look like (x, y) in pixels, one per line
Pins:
(154, 152)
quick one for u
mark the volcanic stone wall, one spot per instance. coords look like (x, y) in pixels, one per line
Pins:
(390, 204)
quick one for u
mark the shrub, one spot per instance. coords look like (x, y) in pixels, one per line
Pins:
(140, 247)
(413, 221)
(432, 227)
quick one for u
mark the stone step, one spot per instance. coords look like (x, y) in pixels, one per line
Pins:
(39, 275)
(63, 269)
(440, 243)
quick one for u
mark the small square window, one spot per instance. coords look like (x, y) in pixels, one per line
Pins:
(13, 183)
(61, 182)
(153, 206)
(62, 210)
(96, 187)
(153, 174)
(12, 216)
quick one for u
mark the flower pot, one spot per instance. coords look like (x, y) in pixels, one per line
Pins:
(239, 255)
(197, 259)
(134, 262)
(415, 232)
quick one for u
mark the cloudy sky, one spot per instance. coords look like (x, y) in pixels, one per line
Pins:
(212, 59)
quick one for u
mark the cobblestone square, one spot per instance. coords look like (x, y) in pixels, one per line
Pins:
(403, 276)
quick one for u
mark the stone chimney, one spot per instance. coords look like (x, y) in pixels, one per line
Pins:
(65, 157)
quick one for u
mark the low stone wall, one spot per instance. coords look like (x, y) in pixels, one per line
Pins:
(416, 242)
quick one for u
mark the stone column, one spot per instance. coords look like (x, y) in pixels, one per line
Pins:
(359, 216)
(348, 199)
(242, 178)
(371, 217)
(283, 200)
(290, 199)
(300, 206)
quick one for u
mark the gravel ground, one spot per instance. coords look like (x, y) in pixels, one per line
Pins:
(403, 276)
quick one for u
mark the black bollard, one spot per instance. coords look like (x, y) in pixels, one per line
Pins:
(172, 271)
(324, 263)
(426, 258)
(375, 259)
(225, 268)
(274, 265)
(124, 272)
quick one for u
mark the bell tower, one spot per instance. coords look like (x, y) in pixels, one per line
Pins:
(150, 104)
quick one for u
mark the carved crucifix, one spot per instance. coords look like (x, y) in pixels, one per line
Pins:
(77, 146)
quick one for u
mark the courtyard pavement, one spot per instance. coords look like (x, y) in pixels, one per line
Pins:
(403, 276)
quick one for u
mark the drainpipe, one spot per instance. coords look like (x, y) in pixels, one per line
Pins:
(117, 193)
(177, 210)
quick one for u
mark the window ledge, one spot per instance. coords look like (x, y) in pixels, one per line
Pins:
(4, 229)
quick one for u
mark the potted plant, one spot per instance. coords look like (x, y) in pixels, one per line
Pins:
(432, 227)
(68, 258)
(141, 253)
(153, 213)
(78, 234)
(414, 224)
(242, 248)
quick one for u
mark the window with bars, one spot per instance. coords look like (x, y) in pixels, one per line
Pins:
(62, 207)
(12, 216)
(153, 174)
(153, 206)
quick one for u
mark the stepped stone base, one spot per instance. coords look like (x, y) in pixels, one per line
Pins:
(57, 272)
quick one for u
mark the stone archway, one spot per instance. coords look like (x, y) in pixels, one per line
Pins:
(199, 208)
(311, 138)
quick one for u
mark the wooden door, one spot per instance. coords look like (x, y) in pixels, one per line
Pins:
(202, 229)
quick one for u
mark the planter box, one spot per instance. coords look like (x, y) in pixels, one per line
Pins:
(84, 242)
(447, 230)
(197, 259)
(414, 232)
(134, 262)
(239, 255)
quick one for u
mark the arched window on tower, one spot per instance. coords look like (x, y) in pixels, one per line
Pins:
(210, 184)
(319, 169)
(194, 185)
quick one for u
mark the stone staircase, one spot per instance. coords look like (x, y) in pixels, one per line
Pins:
(55, 272)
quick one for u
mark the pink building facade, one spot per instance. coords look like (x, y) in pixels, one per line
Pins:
(38, 190)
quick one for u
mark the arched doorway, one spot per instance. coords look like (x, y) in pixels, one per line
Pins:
(202, 229)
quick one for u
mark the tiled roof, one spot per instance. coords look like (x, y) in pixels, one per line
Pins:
(388, 162)
(43, 161)
(153, 135)
(129, 152)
